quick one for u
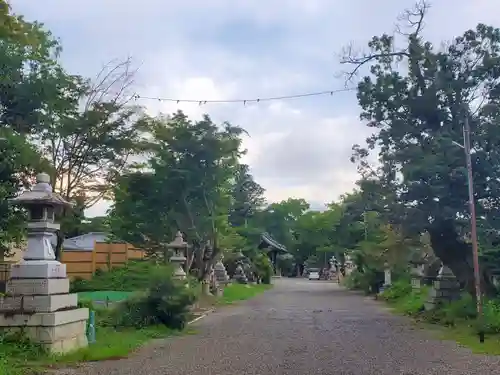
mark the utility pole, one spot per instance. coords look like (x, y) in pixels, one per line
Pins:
(472, 209)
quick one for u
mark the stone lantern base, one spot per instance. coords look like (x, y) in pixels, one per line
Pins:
(44, 311)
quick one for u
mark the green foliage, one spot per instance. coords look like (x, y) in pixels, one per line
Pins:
(240, 292)
(167, 301)
(397, 290)
(459, 313)
(18, 162)
(263, 268)
(247, 197)
(189, 189)
(32, 79)
(416, 99)
(133, 276)
(368, 281)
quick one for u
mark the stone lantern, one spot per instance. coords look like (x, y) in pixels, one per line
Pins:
(37, 297)
(179, 246)
(417, 263)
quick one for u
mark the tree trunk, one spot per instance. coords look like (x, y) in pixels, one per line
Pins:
(457, 255)
(59, 249)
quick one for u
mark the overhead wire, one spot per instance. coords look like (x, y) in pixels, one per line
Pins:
(245, 101)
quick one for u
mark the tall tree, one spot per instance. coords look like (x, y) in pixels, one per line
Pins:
(247, 196)
(32, 78)
(418, 113)
(91, 135)
(18, 163)
(31, 82)
(189, 187)
(280, 219)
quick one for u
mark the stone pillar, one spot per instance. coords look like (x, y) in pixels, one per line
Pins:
(37, 300)
(445, 288)
(179, 246)
(387, 276)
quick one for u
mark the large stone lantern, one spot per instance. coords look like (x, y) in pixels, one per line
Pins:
(37, 297)
(179, 247)
(42, 204)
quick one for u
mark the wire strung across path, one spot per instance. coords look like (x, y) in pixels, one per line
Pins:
(245, 101)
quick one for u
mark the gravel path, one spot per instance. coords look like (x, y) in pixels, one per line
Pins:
(300, 327)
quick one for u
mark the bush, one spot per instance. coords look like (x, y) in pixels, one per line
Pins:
(368, 281)
(264, 268)
(166, 301)
(135, 275)
(397, 291)
(460, 312)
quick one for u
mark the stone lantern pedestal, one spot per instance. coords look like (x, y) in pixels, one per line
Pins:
(179, 246)
(417, 271)
(37, 300)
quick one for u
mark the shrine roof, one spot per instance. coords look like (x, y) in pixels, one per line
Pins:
(267, 242)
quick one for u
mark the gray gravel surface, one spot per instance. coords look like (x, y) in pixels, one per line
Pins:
(300, 327)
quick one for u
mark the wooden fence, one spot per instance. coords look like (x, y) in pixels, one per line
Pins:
(84, 263)
(104, 256)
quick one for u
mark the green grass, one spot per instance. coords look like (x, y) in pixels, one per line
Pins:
(112, 344)
(18, 358)
(240, 292)
(454, 321)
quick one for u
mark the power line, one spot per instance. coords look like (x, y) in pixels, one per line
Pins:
(246, 101)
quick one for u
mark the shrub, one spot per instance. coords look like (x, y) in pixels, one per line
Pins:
(166, 301)
(491, 312)
(368, 281)
(460, 312)
(135, 275)
(397, 291)
(264, 268)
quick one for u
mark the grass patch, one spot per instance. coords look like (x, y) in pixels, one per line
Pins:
(111, 344)
(467, 336)
(239, 292)
(18, 357)
(449, 321)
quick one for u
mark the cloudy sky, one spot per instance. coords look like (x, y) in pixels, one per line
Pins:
(226, 49)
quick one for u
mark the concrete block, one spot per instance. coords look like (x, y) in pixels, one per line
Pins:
(56, 333)
(44, 319)
(66, 345)
(34, 287)
(32, 304)
(38, 269)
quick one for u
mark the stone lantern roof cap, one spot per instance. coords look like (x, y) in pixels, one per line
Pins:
(417, 258)
(178, 242)
(40, 194)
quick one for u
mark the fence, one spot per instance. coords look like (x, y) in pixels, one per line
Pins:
(84, 263)
(104, 256)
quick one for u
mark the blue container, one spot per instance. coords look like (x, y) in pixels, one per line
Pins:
(91, 328)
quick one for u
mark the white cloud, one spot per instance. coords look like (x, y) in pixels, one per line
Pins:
(222, 49)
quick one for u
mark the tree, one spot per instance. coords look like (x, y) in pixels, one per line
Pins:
(18, 163)
(279, 219)
(139, 214)
(90, 136)
(247, 197)
(31, 75)
(418, 113)
(188, 188)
